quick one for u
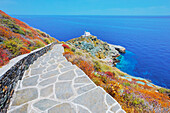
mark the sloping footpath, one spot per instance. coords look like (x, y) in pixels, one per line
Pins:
(54, 85)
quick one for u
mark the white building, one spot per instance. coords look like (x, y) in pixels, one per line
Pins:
(86, 34)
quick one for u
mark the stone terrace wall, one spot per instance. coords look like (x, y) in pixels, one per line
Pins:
(12, 72)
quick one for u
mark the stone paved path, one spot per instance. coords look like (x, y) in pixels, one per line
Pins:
(54, 85)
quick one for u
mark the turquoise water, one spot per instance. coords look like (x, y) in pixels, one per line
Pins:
(125, 62)
(147, 40)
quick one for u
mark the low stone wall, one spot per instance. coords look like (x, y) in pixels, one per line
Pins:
(12, 72)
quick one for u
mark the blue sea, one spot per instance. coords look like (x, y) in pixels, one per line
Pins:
(147, 39)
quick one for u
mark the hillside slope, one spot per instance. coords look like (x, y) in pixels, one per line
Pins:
(134, 94)
(17, 38)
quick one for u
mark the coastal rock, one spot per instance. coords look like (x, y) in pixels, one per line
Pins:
(95, 46)
(118, 48)
(114, 53)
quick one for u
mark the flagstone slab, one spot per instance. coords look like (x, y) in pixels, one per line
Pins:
(44, 92)
(50, 74)
(44, 104)
(52, 67)
(121, 111)
(35, 65)
(80, 72)
(47, 58)
(37, 70)
(93, 100)
(62, 108)
(67, 75)
(48, 81)
(25, 95)
(22, 109)
(66, 63)
(52, 61)
(115, 108)
(82, 79)
(61, 59)
(31, 81)
(67, 68)
(110, 101)
(44, 63)
(78, 85)
(85, 88)
(82, 110)
(63, 90)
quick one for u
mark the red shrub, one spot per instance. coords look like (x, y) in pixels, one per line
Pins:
(87, 67)
(66, 46)
(4, 14)
(3, 57)
(109, 74)
(24, 50)
(68, 53)
(5, 32)
(29, 37)
(22, 24)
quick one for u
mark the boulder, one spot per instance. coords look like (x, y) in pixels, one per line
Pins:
(119, 48)
(114, 53)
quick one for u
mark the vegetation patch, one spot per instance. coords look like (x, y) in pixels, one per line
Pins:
(17, 38)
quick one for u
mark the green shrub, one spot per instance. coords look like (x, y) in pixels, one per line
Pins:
(106, 68)
(39, 44)
(18, 30)
(126, 84)
(29, 33)
(79, 53)
(47, 40)
(104, 79)
(97, 65)
(136, 102)
(120, 73)
(163, 90)
(96, 81)
(13, 26)
(14, 46)
(6, 21)
(73, 49)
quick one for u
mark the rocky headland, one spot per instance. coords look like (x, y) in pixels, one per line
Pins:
(98, 48)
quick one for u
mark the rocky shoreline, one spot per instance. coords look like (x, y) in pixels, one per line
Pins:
(117, 49)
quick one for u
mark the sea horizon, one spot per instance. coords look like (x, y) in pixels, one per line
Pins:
(130, 16)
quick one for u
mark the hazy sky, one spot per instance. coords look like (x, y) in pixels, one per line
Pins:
(86, 7)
